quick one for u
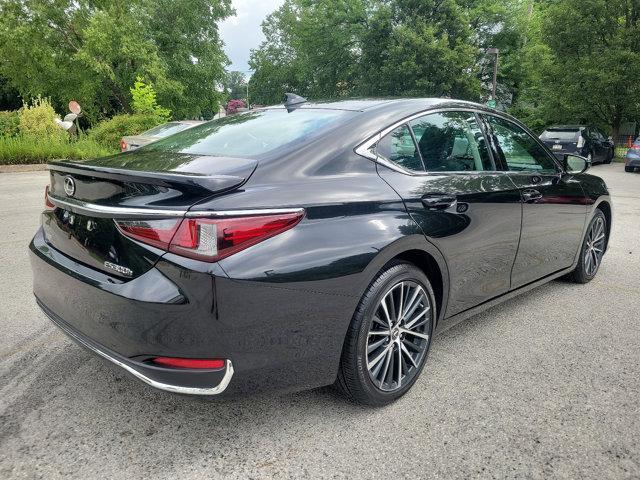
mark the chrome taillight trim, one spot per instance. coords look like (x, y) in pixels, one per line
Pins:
(103, 211)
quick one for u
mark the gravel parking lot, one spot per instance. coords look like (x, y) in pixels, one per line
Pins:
(544, 386)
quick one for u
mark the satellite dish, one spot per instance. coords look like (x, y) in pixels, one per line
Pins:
(70, 117)
(74, 107)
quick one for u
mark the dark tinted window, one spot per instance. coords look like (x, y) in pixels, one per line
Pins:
(398, 146)
(520, 150)
(251, 134)
(451, 142)
(562, 135)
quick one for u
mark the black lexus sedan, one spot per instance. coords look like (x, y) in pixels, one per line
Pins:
(587, 141)
(309, 244)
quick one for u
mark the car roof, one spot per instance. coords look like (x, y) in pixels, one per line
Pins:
(366, 104)
(566, 127)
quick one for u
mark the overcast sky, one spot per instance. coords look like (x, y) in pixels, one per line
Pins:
(242, 32)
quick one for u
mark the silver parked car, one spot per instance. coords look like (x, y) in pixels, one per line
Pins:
(156, 133)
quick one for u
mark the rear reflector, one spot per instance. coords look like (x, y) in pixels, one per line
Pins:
(209, 239)
(123, 145)
(47, 203)
(194, 363)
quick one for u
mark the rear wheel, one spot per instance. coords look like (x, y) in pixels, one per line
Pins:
(592, 250)
(389, 337)
(610, 156)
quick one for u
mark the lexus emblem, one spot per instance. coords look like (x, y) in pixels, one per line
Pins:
(69, 186)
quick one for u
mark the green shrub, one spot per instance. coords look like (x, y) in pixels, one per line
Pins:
(109, 132)
(23, 149)
(9, 123)
(38, 120)
(144, 101)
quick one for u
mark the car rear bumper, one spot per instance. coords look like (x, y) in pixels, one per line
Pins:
(632, 162)
(191, 382)
(189, 309)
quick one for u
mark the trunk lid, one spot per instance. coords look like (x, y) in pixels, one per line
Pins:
(566, 140)
(138, 185)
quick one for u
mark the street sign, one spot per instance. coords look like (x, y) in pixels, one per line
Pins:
(74, 107)
(491, 103)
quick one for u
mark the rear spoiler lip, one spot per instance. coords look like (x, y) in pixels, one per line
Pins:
(197, 182)
(104, 211)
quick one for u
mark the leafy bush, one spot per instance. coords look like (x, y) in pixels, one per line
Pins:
(144, 101)
(9, 123)
(109, 132)
(22, 149)
(38, 120)
(234, 105)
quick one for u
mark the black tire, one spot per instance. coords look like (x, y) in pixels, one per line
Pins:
(582, 272)
(354, 375)
(629, 169)
(610, 156)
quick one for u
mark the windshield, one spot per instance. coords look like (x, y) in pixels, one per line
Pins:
(250, 134)
(565, 135)
(166, 129)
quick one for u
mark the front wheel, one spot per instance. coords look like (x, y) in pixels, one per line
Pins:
(592, 250)
(390, 334)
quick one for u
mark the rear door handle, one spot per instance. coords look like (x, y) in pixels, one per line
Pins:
(531, 195)
(438, 201)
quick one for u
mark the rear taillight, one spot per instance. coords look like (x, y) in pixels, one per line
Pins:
(47, 203)
(196, 363)
(123, 145)
(209, 239)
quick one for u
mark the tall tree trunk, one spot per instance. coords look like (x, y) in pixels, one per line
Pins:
(616, 121)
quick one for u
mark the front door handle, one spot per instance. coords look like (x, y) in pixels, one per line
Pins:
(438, 201)
(531, 195)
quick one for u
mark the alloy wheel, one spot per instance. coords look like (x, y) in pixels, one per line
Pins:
(398, 337)
(594, 247)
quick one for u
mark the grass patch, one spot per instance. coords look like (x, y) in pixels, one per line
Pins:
(23, 149)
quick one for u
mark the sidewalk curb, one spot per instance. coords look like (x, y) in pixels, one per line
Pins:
(35, 167)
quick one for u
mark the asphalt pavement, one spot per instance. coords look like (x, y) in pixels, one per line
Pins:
(546, 385)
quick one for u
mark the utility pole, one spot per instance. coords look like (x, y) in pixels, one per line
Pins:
(496, 52)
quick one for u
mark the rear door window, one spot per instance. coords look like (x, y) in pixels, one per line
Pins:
(451, 142)
(398, 147)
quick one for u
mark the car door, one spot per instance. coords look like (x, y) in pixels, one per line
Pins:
(442, 168)
(554, 204)
(598, 146)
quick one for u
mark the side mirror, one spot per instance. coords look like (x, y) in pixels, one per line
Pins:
(576, 163)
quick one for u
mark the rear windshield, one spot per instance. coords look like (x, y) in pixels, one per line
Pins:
(166, 129)
(251, 134)
(566, 135)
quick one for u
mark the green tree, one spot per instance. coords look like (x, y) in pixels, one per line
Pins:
(236, 85)
(579, 62)
(144, 101)
(595, 47)
(93, 51)
(334, 48)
